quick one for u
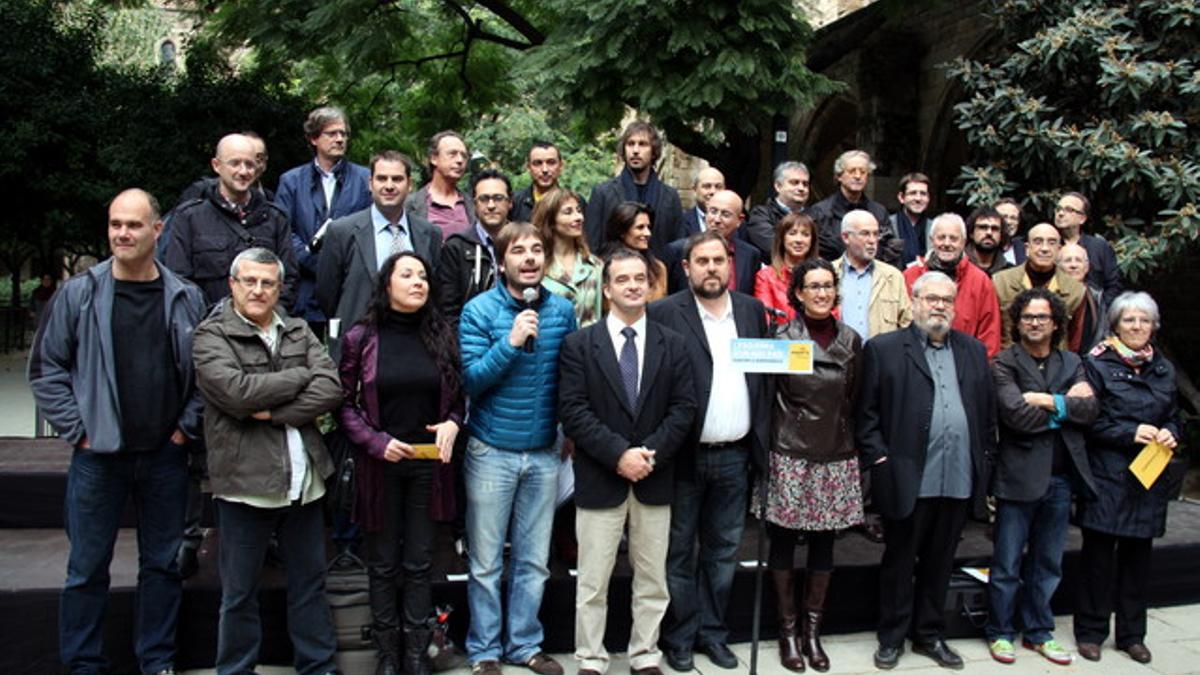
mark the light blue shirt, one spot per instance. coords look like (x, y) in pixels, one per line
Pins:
(328, 183)
(856, 297)
(488, 245)
(700, 219)
(384, 236)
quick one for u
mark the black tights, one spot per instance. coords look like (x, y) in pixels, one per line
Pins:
(783, 548)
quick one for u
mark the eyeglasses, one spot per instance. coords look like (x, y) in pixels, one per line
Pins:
(986, 227)
(251, 283)
(491, 199)
(336, 133)
(1036, 318)
(935, 300)
(866, 234)
(721, 213)
(815, 288)
(1068, 209)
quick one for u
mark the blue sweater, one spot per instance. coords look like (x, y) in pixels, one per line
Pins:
(513, 394)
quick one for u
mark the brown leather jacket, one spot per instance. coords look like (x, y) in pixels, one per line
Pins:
(814, 414)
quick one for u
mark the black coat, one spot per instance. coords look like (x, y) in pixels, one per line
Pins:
(1023, 465)
(521, 210)
(680, 313)
(759, 228)
(464, 271)
(596, 415)
(1122, 506)
(607, 196)
(894, 407)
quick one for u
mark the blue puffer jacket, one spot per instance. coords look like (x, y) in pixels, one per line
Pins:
(513, 394)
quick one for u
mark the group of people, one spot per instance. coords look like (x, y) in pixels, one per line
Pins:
(468, 342)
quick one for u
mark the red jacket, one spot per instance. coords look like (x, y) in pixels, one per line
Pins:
(772, 290)
(976, 308)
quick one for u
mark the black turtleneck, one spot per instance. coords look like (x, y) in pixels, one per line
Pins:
(933, 263)
(1039, 279)
(407, 379)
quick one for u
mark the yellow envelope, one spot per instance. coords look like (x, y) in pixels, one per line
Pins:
(425, 451)
(1150, 462)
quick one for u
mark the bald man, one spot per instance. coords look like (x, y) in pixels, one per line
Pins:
(1040, 270)
(128, 406)
(709, 181)
(228, 218)
(1073, 261)
(723, 215)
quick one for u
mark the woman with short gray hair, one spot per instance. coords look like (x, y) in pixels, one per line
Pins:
(1135, 385)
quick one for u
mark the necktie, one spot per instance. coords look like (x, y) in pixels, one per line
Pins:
(629, 365)
(397, 242)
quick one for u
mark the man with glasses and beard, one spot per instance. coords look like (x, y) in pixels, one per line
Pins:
(926, 430)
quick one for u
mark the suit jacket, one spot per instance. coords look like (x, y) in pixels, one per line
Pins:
(1026, 451)
(596, 414)
(747, 261)
(894, 409)
(680, 313)
(417, 204)
(692, 222)
(348, 268)
(889, 308)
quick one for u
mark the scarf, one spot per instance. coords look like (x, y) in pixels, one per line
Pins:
(1134, 358)
(630, 189)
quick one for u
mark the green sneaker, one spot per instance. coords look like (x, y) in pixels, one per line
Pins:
(1002, 650)
(1054, 652)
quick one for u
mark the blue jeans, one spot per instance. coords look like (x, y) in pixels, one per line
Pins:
(245, 533)
(98, 485)
(1026, 585)
(710, 506)
(506, 486)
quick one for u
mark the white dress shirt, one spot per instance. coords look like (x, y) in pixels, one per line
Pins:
(615, 326)
(727, 418)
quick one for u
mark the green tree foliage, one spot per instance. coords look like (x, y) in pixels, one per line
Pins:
(76, 131)
(1101, 96)
(713, 75)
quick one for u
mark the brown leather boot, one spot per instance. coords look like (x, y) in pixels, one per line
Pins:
(785, 600)
(817, 584)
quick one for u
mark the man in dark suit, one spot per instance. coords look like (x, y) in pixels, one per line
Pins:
(639, 148)
(732, 429)
(927, 431)
(1045, 405)
(724, 216)
(626, 400)
(357, 245)
(709, 181)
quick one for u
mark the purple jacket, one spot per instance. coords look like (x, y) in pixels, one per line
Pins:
(359, 418)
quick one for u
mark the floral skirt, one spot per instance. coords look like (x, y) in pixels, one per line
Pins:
(804, 495)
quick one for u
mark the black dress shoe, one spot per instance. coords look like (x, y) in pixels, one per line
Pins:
(887, 658)
(939, 651)
(1089, 650)
(679, 659)
(720, 655)
(1138, 652)
(187, 561)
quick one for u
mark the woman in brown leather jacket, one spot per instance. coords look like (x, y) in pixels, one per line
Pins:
(812, 482)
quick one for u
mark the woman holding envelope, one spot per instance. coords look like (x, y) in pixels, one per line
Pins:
(812, 480)
(403, 408)
(1135, 385)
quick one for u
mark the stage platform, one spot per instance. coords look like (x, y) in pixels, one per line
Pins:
(33, 552)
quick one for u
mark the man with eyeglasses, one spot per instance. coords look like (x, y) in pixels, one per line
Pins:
(989, 238)
(852, 170)
(723, 215)
(926, 430)
(440, 201)
(1045, 406)
(111, 370)
(1040, 270)
(207, 233)
(468, 261)
(265, 381)
(315, 193)
(976, 311)
(1070, 215)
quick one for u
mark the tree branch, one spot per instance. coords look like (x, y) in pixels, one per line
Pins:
(514, 19)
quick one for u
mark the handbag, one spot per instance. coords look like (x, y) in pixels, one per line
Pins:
(341, 489)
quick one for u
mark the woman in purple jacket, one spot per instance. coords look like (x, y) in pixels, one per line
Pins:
(400, 378)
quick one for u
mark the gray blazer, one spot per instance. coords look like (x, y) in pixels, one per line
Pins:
(347, 268)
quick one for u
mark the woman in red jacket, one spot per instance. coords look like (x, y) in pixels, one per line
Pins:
(795, 242)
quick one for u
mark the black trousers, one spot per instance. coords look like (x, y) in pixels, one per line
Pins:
(1115, 573)
(914, 576)
(401, 554)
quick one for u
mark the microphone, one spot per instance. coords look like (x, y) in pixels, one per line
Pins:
(530, 296)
